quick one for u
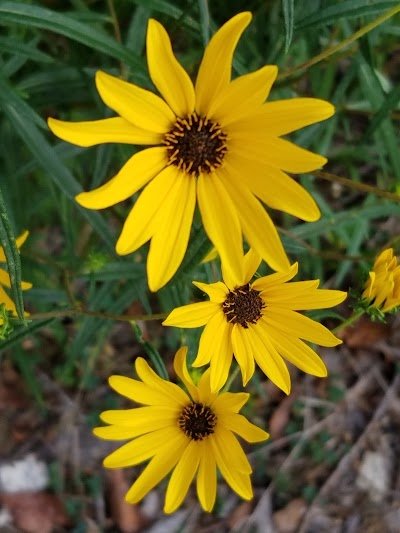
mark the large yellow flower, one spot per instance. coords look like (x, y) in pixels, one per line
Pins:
(188, 433)
(217, 141)
(258, 322)
(5, 277)
(382, 289)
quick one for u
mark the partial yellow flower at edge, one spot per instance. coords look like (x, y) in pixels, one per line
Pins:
(189, 433)
(218, 143)
(5, 277)
(258, 323)
(382, 289)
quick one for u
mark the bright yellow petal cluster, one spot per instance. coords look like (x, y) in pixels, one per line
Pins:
(257, 322)
(217, 143)
(189, 433)
(5, 277)
(382, 289)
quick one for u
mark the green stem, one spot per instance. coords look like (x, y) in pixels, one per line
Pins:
(333, 49)
(231, 378)
(353, 318)
(97, 314)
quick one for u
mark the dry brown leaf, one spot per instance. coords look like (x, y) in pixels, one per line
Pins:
(129, 518)
(280, 417)
(35, 512)
(239, 513)
(287, 520)
(364, 333)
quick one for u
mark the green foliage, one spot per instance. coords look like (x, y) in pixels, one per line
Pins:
(48, 59)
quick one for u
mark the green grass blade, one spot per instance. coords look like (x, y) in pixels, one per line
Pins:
(347, 9)
(21, 117)
(288, 18)
(7, 239)
(45, 19)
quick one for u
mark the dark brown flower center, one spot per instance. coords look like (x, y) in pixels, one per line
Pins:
(195, 145)
(197, 421)
(243, 306)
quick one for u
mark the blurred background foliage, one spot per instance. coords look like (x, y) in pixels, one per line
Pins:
(49, 53)
(73, 340)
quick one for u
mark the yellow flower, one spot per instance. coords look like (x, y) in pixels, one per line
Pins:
(217, 142)
(5, 277)
(257, 323)
(383, 286)
(188, 433)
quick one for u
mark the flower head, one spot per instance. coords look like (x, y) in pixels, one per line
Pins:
(257, 322)
(216, 142)
(382, 289)
(187, 432)
(5, 277)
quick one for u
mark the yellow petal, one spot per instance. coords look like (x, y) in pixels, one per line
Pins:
(206, 396)
(278, 278)
(292, 323)
(242, 96)
(221, 359)
(215, 69)
(243, 354)
(182, 477)
(153, 380)
(228, 464)
(108, 130)
(139, 106)
(206, 478)
(230, 402)
(266, 356)
(305, 300)
(298, 353)
(167, 74)
(157, 468)
(144, 419)
(25, 285)
(226, 440)
(142, 448)
(171, 236)
(6, 300)
(181, 370)
(21, 239)
(210, 339)
(216, 291)
(192, 315)
(140, 392)
(218, 214)
(276, 152)
(139, 170)
(252, 261)
(142, 220)
(275, 188)
(242, 427)
(5, 278)
(284, 116)
(258, 228)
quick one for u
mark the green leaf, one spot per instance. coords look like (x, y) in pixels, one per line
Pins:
(386, 136)
(45, 19)
(288, 18)
(7, 239)
(20, 333)
(23, 119)
(167, 8)
(390, 102)
(14, 46)
(347, 9)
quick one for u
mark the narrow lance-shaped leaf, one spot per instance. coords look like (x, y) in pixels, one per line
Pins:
(40, 17)
(7, 239)
(24, 119)
(288, 18)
